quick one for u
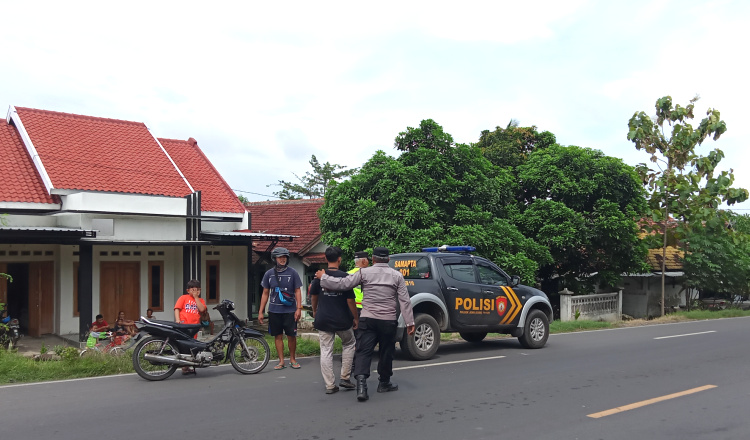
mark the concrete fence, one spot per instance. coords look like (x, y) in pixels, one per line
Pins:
(599, 307)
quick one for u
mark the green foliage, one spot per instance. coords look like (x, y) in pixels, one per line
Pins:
(429, 135)
(433, 194)
(243, 199)
(313, 184)
(684, 184)
(511, 146)
(719, 258)
(583, 206)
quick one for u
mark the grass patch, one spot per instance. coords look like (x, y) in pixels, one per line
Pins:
(577, 326)
(15, 368)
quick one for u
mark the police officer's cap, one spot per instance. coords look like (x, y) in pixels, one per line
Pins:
(361, 254)
(380, 252)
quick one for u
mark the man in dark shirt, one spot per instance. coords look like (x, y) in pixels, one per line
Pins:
(335, 313)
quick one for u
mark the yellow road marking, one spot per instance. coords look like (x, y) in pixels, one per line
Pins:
(620, 409)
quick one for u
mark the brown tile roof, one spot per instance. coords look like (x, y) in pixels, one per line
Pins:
(216, 195)
(99, 154)
(673, 258)
(290, 217)
(21, 180)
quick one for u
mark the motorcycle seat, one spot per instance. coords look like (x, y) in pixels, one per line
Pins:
(177, 325)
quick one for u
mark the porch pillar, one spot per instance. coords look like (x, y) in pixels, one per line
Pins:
(191, 255)
(85, 289)
(250, 281)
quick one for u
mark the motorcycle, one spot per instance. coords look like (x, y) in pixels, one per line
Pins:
(10, 331)
(169, 345)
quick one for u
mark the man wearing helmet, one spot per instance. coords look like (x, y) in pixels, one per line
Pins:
(283, 286)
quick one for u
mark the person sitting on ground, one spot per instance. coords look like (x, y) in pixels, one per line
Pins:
(124, 327)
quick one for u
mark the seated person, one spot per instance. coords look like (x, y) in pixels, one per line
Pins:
(149, 314)
(100, 325)
(124, 326)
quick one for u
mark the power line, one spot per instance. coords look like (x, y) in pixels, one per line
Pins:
(255, 193)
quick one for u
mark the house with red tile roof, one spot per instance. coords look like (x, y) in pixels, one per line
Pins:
(102, 216)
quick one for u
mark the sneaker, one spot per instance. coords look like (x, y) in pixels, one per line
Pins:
(347, 384)
(335, 389)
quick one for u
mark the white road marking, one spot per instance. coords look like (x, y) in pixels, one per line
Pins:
(686, 334)
(447, 363)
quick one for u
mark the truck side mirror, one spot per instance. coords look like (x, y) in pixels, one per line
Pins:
(515, 280)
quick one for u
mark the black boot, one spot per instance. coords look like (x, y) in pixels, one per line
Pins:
(384, 387)
(362, 388)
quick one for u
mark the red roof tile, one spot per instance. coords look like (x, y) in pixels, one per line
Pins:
(216, 195)
(21, 181)
(98, 154)
(289, 217)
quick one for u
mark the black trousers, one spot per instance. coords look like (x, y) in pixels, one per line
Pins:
(369, 333)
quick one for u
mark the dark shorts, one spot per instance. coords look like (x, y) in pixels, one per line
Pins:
(282, 322)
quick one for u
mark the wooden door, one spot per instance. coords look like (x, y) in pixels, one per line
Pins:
(119, 289)
(41, 298)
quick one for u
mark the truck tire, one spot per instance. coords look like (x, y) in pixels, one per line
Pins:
(473, 336)
(423, 344)
(535, 330)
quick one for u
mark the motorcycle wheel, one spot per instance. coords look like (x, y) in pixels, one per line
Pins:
(254, 361)
(152, 370)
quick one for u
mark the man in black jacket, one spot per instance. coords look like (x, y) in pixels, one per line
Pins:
(335, 313)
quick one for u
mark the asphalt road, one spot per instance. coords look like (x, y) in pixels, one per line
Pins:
(675, 381)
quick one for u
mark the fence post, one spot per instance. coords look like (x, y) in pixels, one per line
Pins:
(565, 312)
(619, 305)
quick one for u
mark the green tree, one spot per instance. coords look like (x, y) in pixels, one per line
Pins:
(243, 199)
(583, 206)
(313, 184)
(683, 183)
(434, 193)
(429, 135)
(511, 146)
(719, 257)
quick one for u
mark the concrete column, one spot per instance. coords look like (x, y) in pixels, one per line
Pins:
(565, 309)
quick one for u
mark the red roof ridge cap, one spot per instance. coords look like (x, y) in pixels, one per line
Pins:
(95, 118)
(194, 144)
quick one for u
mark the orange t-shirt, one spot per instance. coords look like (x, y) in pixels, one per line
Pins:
(189, 309)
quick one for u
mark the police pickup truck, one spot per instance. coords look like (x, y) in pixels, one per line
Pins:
(452, 290)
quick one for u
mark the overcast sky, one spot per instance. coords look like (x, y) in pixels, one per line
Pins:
(264, 85)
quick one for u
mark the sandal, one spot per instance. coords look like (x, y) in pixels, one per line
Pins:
(280, 367)
(187, 371)
(295, 365)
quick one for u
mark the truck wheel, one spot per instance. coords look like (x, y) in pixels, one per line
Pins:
(474, 336)
(423, 344)
(535, 330)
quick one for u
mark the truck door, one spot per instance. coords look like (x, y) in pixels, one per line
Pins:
(496, 285)
(463, 295)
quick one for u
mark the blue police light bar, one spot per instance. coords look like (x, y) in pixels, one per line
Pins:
(446, 248)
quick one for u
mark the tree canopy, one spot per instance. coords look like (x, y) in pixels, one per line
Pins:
(584, 207)
(313, 184)
(548, 204)
(683, 184)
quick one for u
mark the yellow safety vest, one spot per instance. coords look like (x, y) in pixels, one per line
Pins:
(357, 291)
